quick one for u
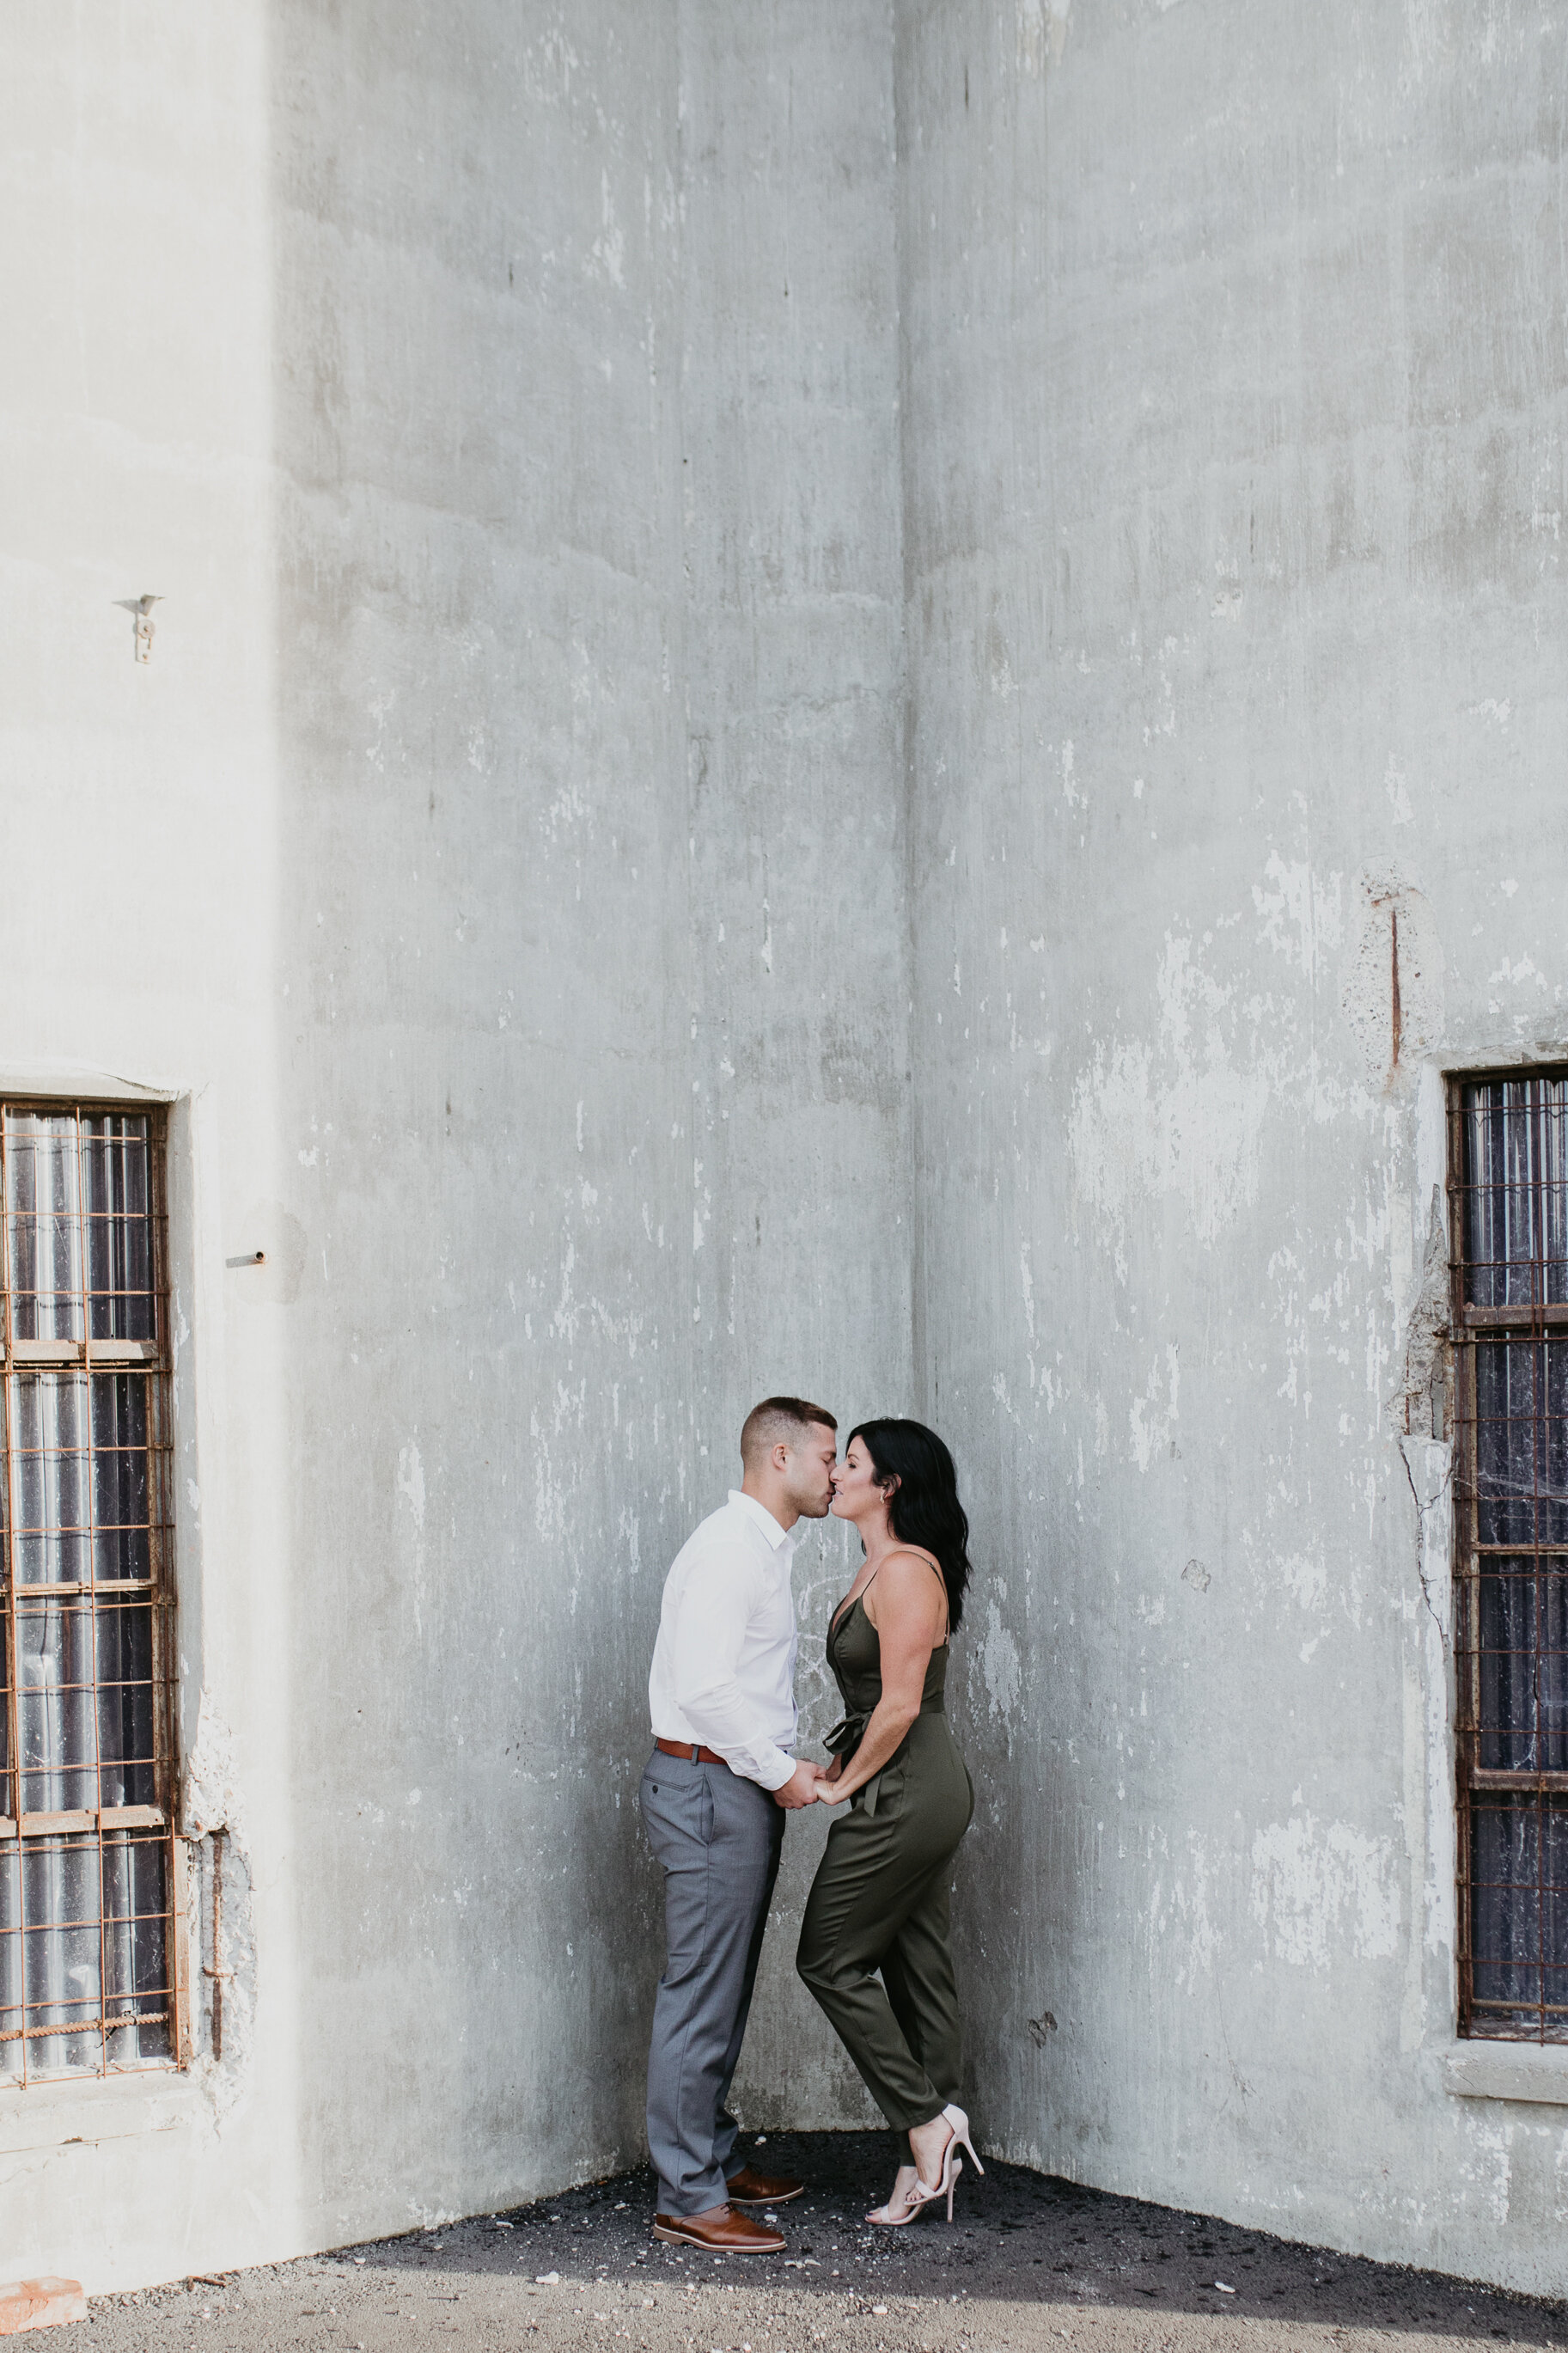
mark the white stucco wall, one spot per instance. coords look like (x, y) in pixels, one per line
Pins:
(1234, 384)
(142, 828)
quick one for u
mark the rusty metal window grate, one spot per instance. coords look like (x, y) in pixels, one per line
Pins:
(89, 1878)
(1509, 1198)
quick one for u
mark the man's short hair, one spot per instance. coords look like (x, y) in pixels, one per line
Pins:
(779, 1420)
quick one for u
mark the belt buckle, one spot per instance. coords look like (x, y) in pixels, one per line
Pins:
(697, 1752)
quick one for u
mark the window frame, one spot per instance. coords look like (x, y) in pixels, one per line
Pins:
(1470, 1326)
(19, 1357)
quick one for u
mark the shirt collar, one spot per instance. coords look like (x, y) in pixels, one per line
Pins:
(763, 1516)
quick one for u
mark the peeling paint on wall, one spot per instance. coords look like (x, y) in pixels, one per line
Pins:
(1000, 1666)
(1145, 1124)
(1319, 1889)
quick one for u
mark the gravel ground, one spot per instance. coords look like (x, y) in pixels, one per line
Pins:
(1028, 2262)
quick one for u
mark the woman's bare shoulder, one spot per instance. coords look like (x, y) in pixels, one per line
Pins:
(906, 1558)
(906, 1576)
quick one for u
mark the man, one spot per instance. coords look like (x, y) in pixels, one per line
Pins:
(718, 1785)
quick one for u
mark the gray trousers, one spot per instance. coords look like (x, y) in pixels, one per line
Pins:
(718, 1838)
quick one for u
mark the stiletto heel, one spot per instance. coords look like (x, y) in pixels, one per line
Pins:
(960, 2123)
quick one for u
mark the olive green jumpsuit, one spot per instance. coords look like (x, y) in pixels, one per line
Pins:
(879, 1900)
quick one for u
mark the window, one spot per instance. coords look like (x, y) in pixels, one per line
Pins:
(88, 1875)
(1509, 1195)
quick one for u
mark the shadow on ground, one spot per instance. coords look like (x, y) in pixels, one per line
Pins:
(1017, 2238)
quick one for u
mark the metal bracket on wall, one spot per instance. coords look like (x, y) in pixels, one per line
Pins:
(141, 611)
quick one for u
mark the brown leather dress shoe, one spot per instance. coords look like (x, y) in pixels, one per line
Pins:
(722, 2231)
(749, 2188)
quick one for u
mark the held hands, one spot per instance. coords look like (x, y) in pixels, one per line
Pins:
(807, 1785)
(800, 1789)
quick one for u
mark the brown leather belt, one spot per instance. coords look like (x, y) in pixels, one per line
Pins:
(698, 1756)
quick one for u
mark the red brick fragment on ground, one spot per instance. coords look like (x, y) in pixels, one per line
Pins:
(40, 2304)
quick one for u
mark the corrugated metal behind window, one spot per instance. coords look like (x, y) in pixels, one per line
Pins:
(1509, 1200)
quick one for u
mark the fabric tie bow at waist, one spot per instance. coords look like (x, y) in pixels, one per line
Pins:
(842, 1742)
(847, 1735)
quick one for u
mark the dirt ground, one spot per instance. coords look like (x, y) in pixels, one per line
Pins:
(1028, 2262)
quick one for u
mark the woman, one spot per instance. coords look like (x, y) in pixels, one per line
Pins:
(879, 1900)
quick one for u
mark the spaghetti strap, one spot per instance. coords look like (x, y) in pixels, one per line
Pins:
(917, 1552)
(921, 1553)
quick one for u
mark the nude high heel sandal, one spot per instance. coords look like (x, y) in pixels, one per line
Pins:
(951, 2163)
(960, 2123)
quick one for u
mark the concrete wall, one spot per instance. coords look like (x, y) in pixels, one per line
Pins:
(806, 655)
(484, 909)
(1233, 457)
(800, 985)
(455, 863)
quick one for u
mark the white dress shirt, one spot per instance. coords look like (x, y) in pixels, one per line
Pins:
(723, 1665)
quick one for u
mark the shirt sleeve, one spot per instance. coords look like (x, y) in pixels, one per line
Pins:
(710, 1628)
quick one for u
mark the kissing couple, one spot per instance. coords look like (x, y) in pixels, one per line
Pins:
(723, 1774)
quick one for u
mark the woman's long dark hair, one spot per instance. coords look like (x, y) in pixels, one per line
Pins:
(923, 1508)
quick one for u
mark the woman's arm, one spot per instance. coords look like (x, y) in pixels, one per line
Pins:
(909, 1621)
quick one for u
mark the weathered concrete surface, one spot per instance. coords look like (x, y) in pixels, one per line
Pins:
(499, 863)
(484, 848)
(613, 1089)
(1233, 457)
(800, 1094)
(808, 655)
